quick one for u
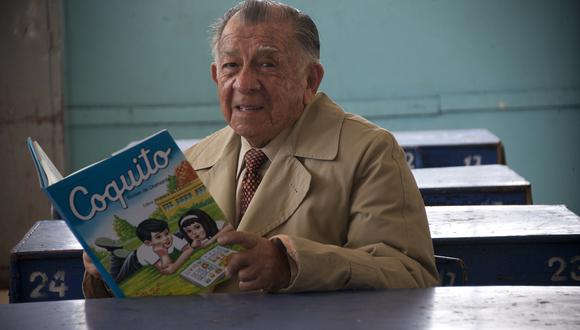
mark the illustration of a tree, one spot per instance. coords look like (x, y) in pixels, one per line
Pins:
(125, 231)
(171, 184)
(158, 214)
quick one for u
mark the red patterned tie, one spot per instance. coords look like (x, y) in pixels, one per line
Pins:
(254, 159)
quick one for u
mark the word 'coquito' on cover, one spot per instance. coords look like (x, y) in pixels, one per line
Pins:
(113, 192)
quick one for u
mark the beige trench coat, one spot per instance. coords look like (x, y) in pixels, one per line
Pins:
(342, 194)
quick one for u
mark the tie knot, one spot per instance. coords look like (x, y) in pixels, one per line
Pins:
(254, 159)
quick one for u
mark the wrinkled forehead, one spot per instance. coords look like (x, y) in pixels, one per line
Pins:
(267, 35)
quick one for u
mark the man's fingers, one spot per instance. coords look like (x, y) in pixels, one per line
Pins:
(89, 266)
(250, 285)
(247, 240)
(226, 229)
(236, 262)
(86, 258)
(260, 266)
(248, 274)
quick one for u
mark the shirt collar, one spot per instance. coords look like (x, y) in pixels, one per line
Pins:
(270, 149)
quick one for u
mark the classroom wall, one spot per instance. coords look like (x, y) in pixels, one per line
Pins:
(30, 105)
(513, 67)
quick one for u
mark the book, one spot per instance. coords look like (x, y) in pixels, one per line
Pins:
(143, 216)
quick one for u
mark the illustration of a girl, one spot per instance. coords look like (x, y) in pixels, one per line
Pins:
(199, 229)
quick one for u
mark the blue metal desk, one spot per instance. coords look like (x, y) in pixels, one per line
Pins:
(439, 148)
(509, 245)
(500, 245)
(436, 308)
(473, 185)
(459, 147)
(46, 264)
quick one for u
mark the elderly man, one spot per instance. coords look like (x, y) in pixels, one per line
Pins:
(321, 199)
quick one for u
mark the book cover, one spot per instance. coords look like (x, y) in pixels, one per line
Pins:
(144, 217)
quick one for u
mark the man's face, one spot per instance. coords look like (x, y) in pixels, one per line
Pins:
(261, 79)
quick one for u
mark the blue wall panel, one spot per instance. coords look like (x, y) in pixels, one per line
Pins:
(513, 67)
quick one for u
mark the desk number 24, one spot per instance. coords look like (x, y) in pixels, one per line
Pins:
(56, 285)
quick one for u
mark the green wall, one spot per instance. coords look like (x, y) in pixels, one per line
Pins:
(513, 67)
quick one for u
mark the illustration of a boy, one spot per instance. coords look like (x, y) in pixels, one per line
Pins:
(160, 249)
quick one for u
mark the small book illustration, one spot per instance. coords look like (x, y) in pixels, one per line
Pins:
(143, 216)
(209, 268)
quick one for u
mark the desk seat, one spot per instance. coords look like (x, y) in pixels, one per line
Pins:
(455, 147)
(46, 264)
(509, 244)
(439, 148)
(473, 185)
(500, 245)
(434, 308)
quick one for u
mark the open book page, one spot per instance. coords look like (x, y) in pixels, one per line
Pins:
(52, 173)
(48, 173)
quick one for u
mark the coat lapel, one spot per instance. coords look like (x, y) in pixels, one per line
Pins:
(220, 180)
(287, 182)
(281, 191)
(217, 169)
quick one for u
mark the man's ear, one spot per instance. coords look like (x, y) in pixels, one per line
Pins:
(213, 70)
(147, 242)
(314, 75)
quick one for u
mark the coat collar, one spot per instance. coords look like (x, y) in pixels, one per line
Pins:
(321, 119)
(315, 135)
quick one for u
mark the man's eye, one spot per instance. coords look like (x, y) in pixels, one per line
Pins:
(230, 65)
(267, 65)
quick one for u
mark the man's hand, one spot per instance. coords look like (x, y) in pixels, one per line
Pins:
(261, 265)
(89, 266)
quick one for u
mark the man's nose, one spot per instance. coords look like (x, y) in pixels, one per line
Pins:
(247, 81)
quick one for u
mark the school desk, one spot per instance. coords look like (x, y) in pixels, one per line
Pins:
(472, 185)
(491, 307)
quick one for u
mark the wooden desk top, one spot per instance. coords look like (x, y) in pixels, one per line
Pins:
(437, 308)
(451, 137)
(445, 222)
(468, 177)
(447, 137)
(479, 221)
(48, 235)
